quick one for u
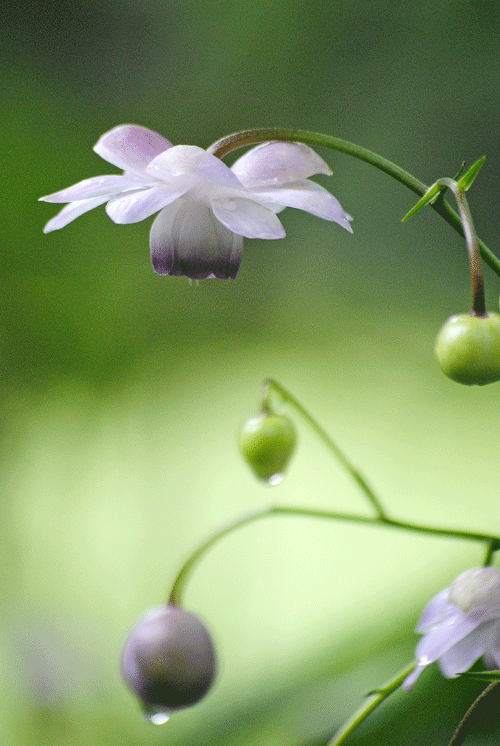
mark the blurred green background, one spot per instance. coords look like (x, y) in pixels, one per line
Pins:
(122, 391)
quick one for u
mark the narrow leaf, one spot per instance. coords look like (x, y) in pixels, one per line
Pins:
(483, 675)
(471, 173)
(459, 172)
(430, 194)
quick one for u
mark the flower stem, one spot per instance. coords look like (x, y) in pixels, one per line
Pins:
(476, 272)
(492, 547)
(476, 712)
(327, 440)
(251, 137)
(281, 510)
(373, 700)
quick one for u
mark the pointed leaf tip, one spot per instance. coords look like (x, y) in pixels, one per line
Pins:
(430, 194)
(471, 173)
(482, 675)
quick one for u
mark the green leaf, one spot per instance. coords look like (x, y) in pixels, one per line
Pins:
(459, 172)
(483, 675)
(430, 194)
(471, 173)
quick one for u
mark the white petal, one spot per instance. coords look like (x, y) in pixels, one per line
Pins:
(461, 656)
(436, 610)
(131, 147)
(97, 186)
(308, 196)
(138, 206)
(204, 169)
(278, 163)
(443, 636)
(247, 218)
(186, 239)
(492, 655)
(71, 212)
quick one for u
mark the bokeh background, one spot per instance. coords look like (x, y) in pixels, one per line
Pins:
(122, 391)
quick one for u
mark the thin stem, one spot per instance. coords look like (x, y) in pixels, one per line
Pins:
(202, 549)
(280, 510)
(330, 444)
(373, 700)
(469, 232)
(251, 137)
(475, 712)
(476, 272)
(493, 546)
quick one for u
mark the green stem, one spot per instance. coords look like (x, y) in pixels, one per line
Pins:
(251, 137)
(280, 510)
(476, 271)
(327, 440)
(476, 712)
(373, 700)
(493, 546)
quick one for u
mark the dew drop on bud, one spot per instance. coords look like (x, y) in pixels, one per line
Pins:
(157, 717)
(275, 478)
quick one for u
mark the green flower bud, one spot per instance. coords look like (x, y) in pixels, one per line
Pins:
(468, 348)
(267, 443)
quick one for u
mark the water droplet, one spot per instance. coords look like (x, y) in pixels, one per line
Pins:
(156, 716)
(275, 478)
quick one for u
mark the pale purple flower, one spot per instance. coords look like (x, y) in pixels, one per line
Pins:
(461, 624)
(205, 208)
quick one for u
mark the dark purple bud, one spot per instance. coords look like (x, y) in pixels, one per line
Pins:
(168, 660)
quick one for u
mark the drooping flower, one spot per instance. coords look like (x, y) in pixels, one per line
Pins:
(205, 208)
(461, 624)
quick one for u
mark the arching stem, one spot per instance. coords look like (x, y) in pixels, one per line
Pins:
(252, 137)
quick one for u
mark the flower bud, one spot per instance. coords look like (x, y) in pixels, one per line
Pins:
(468, 348)
(267, 443)
(168, 660)
(476, 588)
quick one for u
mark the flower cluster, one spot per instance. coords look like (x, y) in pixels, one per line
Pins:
(461, 624)
(205, 208)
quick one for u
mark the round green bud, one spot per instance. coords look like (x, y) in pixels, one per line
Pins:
(267, 443)
(468, 348)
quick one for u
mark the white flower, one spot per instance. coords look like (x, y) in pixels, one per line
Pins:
(205, 208)
(461, 624)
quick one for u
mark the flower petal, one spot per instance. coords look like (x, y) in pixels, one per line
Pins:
(137, 206)
(195, 163)
(436, 610)
(308, 196)
(492, 652)
(97, 186)
(186, 239)
(130, 146)
(247, 217)
(408, 683)
(278, 163)
(461, 656)
(478, 587)
(72, 211)
(442, 637)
